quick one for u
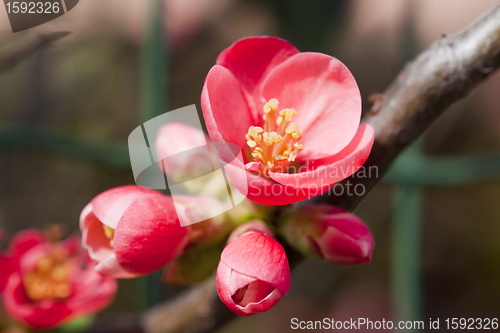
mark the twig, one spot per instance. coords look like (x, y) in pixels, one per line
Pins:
(441, 75)
(14, 53)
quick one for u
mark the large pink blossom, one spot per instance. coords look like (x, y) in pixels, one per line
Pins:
(47, 284)
(253, 273)
(295, 115)
(131, 231)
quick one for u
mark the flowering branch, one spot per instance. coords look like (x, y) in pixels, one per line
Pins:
(441, 75)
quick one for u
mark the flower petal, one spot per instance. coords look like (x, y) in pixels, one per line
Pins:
(94, 240)
(8, 267)
(149, 234)
(326, 97)
(45, 314)
(225, 108)
(251, 59)
(347, 241)
(267, 192)
(176, 145)
(110, 205)
(264, 259)
(238, 281)
(24, 240)
(330, 170)
(260, 297)
(92, 291)
(111, 267)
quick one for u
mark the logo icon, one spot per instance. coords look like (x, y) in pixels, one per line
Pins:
(209, 164)
(28, 14)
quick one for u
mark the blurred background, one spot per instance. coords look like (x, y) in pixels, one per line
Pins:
(67, 110)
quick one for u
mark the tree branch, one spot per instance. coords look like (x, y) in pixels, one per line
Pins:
(444, 73)
(441, 75)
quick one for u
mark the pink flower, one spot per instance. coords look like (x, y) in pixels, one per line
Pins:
(131, 231)
(52, 283)
(329, 233)
(253, 274)
(183, 152)
(295, 115)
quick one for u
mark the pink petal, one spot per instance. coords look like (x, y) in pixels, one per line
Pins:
(252, 166)
(238, 281)
(223, 282)
(71, 244)
(94, 240)
(28, 261)
(24, 240)
(263, 304)
(39, 315)
(7, 267)
(111, 267)
(149, 234)
(341, 249)
(267, 192)
(326, 97)
(92, 291)
(110, 205)
(330, 170)
(225, 108)
(259, 297)
(181, 139)
(256, 292)
(251, 59)
(261, 257)
(84, 216)
(175, 138)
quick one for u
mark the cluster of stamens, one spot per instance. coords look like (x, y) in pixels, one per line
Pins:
(276, 144)
(50, 277)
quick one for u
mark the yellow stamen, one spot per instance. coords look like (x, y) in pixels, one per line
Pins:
(273, 138)
(275, 144)
(50, 277)
(288, 114)
(254, 132)
(109, 233)
(272, 105)
(292, 128)
(297, 135)
(279, 120)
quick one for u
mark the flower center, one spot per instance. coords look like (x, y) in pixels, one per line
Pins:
(109, 232)
(50, 277)
(277, 144)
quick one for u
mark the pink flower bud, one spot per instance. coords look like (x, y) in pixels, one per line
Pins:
(253, 274)
(49, 284)
(329, 233)
(131, 231)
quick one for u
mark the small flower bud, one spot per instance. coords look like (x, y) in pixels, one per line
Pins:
(329, 233)
(253, 274)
